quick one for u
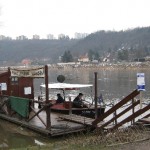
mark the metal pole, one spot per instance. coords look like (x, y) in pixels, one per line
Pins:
(48, 120)
(95, 94)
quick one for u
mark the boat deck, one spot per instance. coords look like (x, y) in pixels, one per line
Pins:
(80, 119)
(58, 126)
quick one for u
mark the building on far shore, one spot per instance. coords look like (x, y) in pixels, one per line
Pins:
(21, 37)
(3, 37)
(50, 36)
(36, 37)
(80, 35)
(26, 62)
(84, 58)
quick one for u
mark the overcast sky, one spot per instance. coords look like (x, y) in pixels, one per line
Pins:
(28, 17)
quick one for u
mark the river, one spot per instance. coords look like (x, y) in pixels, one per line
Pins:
(112, 84)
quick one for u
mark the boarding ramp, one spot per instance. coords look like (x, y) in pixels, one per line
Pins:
(108, 124)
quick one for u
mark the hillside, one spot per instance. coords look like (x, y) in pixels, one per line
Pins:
(106, 40)
(16, 50)
(130, 44)
(136, 41)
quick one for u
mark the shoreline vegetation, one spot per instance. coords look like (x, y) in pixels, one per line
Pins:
(122, 139)
(91, 66)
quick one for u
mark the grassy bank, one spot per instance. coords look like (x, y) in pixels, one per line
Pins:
(119, 139)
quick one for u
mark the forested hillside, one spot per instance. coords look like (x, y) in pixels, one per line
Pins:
(123, 45)
(17, 50)
(136, 42)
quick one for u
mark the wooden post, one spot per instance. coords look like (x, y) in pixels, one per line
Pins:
(141, 100)
(9, 82)
(70, 106)
(9, 90)
(133, 111)
(115, 117)
(48, 120)
(95, 94)
(115, 114)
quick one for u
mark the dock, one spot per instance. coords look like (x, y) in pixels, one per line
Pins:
(55, 124)
(80, 119)
(112, 123)
(58, 126)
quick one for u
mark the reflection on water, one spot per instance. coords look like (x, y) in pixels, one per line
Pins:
(12, 136)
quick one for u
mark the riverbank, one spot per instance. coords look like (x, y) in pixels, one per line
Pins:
(98, 66)
(102, 65)
(129, 139)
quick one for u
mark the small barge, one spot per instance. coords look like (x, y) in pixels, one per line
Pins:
(67, 106)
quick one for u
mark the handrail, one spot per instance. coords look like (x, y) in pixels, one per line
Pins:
(121, 113)
(115, 107)
(148, 115)
(131, 117)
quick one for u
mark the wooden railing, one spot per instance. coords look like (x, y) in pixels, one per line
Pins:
(120, 114)
(131, 117)
(130, 97)
(9, 112)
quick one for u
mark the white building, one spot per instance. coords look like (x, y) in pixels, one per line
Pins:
(50, 36)
(21, 37)
(83, 58)
(2, 37)
(80, 35)
(36, 37)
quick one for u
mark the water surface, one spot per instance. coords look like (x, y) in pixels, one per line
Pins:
(112, 84)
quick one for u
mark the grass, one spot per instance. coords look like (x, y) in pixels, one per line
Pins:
(97, 140)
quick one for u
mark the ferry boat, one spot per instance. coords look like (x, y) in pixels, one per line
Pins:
(67, 106)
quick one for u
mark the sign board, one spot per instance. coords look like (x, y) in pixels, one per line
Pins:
(35, 73)
(141, 81)
(27, 90)
(3, 86)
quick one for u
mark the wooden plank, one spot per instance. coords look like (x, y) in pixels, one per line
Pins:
(77, 119)
(66, 131)
(118, 105)
(148, 115)
(129, 118)
(145, 120)
(43, 108)
(120, 114)
(38, 116)
(53, 132)
(25, 124)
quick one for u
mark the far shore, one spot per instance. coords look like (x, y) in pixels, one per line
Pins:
(91, 66)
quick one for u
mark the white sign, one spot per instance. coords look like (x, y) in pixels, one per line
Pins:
(35, 73)
(3, 86)
(27, 90)
(141, 81)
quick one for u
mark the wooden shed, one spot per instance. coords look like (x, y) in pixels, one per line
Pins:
(16, 86)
